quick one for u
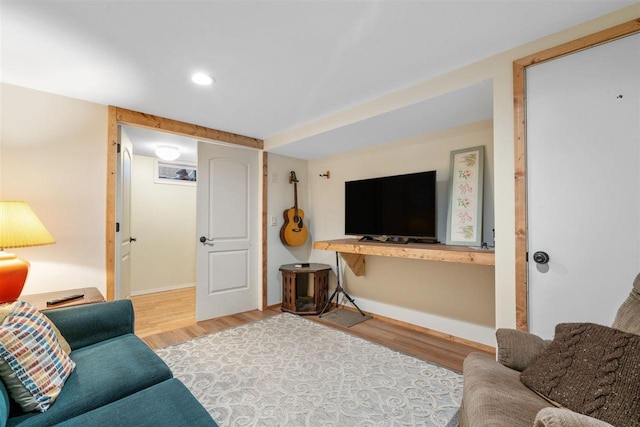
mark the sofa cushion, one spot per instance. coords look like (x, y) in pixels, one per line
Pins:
(494, 396)
(169, 403)
(518, 349)
(106, 371)
(34, 366)
(87, 324)
(590, 369)
(5, 404)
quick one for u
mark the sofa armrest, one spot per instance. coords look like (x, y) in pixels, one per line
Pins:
(518, 349)
(88, 324)
(559, 417)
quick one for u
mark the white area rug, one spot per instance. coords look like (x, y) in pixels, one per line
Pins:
(289, 371)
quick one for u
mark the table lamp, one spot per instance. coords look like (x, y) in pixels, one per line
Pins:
(19, 228)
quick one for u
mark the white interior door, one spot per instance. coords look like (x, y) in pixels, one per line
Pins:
(583, 184)
(123, 216)
(227, 220)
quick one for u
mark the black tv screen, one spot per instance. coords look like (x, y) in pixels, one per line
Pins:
(393, 206)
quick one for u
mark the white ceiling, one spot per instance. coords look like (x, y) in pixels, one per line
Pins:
(145, 142)
(457, 108)
(277, 64)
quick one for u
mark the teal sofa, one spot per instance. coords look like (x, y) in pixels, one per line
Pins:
(118, 379)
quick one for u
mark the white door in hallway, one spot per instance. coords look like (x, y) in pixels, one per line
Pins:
(583, 184)
(123, 216)
(228, 270)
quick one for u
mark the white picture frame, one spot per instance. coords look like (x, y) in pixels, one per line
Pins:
(466, 188)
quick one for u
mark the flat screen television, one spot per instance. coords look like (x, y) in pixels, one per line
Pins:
(399, 207)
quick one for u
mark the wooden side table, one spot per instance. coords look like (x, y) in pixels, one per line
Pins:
(304, 289)
(91, 296)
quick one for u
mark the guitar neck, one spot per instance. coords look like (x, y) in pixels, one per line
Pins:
(295, 196)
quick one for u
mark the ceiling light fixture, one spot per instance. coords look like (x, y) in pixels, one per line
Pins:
(167, 152)
(202, 79)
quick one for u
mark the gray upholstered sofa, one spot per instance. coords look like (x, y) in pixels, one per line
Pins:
(495, 396)
(118, 380)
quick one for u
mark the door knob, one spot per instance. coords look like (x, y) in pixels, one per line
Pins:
(206, 241)
(132, 239)
(541, 257)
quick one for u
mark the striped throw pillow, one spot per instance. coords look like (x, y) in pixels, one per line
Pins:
(37, 362)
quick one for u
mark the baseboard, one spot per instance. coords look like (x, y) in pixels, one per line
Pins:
(167, 288)
(473, 344)
(422, 329)
(477, 336)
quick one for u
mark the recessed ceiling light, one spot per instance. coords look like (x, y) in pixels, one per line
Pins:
(167, 152)
(202, 79)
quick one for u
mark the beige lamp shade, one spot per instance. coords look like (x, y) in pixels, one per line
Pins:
(20, 227)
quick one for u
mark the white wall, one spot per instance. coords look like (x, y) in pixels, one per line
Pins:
(54, 157)
(451, 298)
(280, 198)
(163, 220)
(499, 68)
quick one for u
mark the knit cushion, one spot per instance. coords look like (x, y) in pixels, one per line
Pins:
(628, 316)
(35, 365)
(590, 369)
(518, 349)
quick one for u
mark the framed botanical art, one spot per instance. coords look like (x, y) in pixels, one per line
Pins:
(464, 218)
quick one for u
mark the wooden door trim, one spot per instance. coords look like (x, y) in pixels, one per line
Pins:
(117, 115)
(129, 117)
(520, 162)
(112, 154)
(265, 231)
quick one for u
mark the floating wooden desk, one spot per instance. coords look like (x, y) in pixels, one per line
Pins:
(353, 252)
(297, 295)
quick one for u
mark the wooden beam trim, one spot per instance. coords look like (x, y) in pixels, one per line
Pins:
(149, 121)
(110, 230)
(520, 197)
(265, 229)
(520, 144)
(626, 29)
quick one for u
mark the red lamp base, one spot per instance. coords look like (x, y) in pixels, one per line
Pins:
(13, 273)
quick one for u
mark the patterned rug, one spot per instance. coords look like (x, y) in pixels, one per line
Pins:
(287, 370)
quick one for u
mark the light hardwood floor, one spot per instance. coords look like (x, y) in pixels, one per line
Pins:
(168, 318)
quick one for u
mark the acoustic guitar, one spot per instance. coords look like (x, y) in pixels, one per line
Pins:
(293, 231)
